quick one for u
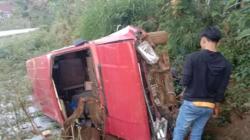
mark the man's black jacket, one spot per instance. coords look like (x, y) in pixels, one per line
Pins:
(205, 75)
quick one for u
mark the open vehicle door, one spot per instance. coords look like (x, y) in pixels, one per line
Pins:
(44, 93)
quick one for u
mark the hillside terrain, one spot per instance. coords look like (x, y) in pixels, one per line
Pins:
(63, 21)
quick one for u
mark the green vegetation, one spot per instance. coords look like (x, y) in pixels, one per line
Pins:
(105, 17)
(183, 20)
(62, 21)
(14, 84)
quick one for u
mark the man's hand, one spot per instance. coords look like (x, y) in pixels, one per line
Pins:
(216, 110)
(180, 96)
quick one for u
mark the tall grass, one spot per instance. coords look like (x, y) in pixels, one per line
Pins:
(104, 17)
(14, 84)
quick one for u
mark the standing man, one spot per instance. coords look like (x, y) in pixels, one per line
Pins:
(206, 75)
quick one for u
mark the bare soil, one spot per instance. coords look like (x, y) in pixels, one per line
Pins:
(238, 129)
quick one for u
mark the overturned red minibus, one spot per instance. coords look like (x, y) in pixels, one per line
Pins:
(109, 68)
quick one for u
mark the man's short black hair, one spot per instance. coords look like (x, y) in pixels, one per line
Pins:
(212, 33)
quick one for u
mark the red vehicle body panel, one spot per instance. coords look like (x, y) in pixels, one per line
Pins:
(44, 95)
(127, 116)
(120, 80)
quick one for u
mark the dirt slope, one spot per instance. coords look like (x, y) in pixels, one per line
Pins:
(239, 129)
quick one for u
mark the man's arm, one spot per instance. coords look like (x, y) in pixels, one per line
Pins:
(187, 71)
(221, 90)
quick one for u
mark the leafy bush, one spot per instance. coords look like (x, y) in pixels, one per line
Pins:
(186, 20)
